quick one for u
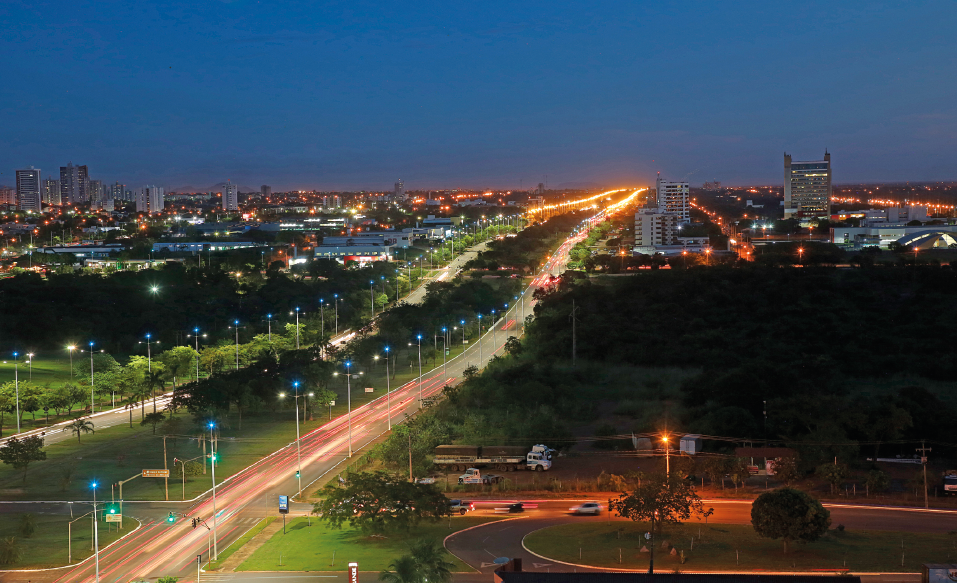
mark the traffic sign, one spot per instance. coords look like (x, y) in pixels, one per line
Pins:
(283, 504)
(155, 473)
(353, 572)
(114, 518)
(369, 389)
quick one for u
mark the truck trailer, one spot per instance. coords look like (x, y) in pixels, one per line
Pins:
(505, 458)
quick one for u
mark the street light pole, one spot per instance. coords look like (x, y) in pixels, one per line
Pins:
(92, 402)
(269, 325)
(297, 327)
(30, 363)
(372, 297)
(388, 391)
(96, 536)
(16, 383)
(336, 298)
(420, 371)
(481, 356)
(298, 439)
(71, 348)
(236, 324)
(213, 466)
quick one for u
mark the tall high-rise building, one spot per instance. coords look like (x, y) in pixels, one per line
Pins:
(807, 188)
(655, 228)
(118, 191)
(150, 200)
(400, 189)
(50, 194)
(230, 197)
(74, 182)
(265, 190)
(97, 194)
(28, 189)
(674, 197)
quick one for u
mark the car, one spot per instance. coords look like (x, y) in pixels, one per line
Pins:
(516, 508)
(460, 506)
(587, 508)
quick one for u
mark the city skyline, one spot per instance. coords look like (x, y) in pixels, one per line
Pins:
(342, 98)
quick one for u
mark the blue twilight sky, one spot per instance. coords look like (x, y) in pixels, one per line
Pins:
(356, 94)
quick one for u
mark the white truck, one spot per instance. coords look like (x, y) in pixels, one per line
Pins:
(505, 458)
(474, 476)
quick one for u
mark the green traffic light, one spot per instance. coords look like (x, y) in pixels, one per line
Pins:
(170, 518)
(297, 474)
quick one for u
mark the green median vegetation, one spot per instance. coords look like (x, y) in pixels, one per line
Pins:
(726, 547)
(238, 543)
(321, 548)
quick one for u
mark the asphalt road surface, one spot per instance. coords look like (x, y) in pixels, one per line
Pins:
(159, 549)
(446, 273)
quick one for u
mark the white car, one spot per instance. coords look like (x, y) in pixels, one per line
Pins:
(587, 508)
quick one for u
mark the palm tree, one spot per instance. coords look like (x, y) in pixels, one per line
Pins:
(404, 570)
(153, 380)
(153, 419)
(10, 551)
(429, 557)
(80, 426)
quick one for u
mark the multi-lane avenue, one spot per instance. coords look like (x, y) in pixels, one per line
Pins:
(159, 548)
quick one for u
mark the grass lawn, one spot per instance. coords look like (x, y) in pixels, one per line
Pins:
(311, 548)
(48, 545)
(225, 554)
(55, 371)
(119, 452)
(730, 547)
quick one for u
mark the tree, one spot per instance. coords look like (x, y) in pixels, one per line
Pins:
(153, 419)
(786, 469)
(179, 362)
(789, 514)
(660, 499)
(513, 346)
(7, 404)
(378, 502)
(167, 579)
(19, 453)
(80, 426)
(28, 525)
(833, 474)
(10, 551)
(877, 481)
(430, 561)
(403, 570)
(715, 468)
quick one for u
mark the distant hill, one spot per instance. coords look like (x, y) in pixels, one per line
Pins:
(578, 186)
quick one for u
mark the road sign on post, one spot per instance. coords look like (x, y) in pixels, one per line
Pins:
(370, 390)
(284, 504)
(113, 518)
(155, 473)
(353, 572)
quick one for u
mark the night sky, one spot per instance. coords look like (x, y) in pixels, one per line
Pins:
(349, 95)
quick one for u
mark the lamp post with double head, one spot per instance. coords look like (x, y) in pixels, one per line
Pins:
(349, 374)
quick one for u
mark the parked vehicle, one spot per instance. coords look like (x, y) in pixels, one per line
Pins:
(505, 458)
(460, 506)
(950, 482)
(474, 476)
(593, 508)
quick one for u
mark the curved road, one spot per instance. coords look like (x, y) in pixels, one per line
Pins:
(479, 546)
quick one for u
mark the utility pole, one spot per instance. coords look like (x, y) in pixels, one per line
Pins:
(923, 461)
